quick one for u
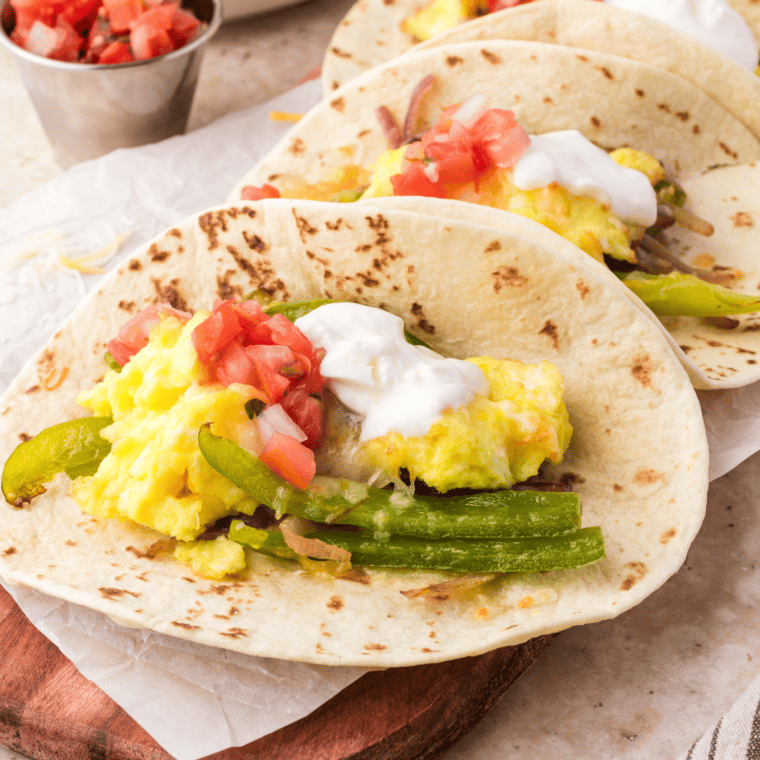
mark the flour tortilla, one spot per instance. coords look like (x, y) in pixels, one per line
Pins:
(713, 357)
(638, 456)
(613, 101)
(370, 35)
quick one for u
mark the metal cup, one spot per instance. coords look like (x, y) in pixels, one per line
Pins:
(91, 109)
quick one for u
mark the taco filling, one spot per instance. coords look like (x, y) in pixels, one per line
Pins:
(610, 205)
(214, 424)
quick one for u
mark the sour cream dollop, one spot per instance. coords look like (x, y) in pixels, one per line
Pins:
(714, 22)
(575, 163)
(376, 373)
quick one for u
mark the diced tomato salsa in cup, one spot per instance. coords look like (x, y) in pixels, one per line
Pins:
(103, 31)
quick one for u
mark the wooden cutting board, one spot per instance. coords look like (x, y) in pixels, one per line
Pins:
(48, 710)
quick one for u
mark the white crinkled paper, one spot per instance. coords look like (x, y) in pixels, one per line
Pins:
(194, 700)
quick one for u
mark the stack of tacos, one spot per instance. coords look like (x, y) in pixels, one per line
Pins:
(321, 218)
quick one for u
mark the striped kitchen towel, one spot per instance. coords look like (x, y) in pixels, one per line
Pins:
(736, 736)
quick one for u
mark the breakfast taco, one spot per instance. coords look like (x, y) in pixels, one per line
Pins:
(622, 206)
(706, 43)
(137, 522)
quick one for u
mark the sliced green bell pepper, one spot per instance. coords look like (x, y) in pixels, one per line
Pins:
(74, 447)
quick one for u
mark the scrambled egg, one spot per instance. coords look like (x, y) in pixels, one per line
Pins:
(583, 221)
(155, 473)
(439, 16)
(491, 442)
(156, 476)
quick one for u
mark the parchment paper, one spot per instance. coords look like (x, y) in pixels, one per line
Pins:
(193, 700)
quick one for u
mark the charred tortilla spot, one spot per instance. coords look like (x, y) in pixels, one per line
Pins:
(186, 626)
(647, 477)
(686, 349)
(377, 223)
(313, 256)
(595, 121)
(375, 647)
(422, 322)
(304, 227)
(507, 276)
(163, 545)
(32, 389)
(667, 535)
(727, 150)
(170, 293)
(492, 58)
(640, 92)
(114, 593)
(682, 115)
(174, 232)
(224, 288)
(550, 330)
(297, 146)
(157, 255)
(548, 100)
(607, 73)
(639, 568)
(335, 603)
(696, 129)
(492, 247)
(254, 242)
(642, 370)
(235, 633)
(341, 54)
(454, 60)
(664, 107)
(338, 104)
(581, 57)
(11, 550)
(582, 288)
(24, 437)
(69, 542)
(741, 219)
(212, 222)
(367, 280)
(135, 265)
(127, 305)
(629, 582)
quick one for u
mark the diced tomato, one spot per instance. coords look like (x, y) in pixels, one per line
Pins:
(184, 27)
(121, 13)
(270, 361)
(214, 334)
(290, 459)
(116, 52)
(285, 333)
(135, 333)
(76, 11)
(159, 16)
(414, 181)
(501, 136)
(306, 412)
(147, 41)
(251, 193)
(235, 366)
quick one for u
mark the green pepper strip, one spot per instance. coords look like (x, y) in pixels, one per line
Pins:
(295, 309)
(678, 294)
(498, 514)
(75, 447)
(528, 555)
(111, 362)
